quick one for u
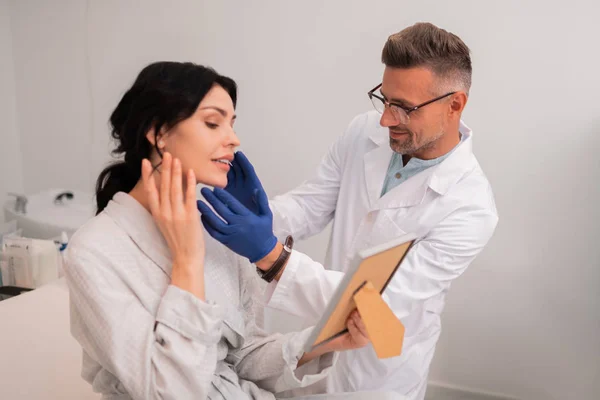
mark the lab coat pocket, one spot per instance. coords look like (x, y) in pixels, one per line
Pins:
(376, 228)
(410, 220)
(406, 368)
(384, 229)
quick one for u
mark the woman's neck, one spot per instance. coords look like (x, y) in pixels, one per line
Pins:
(139, 194)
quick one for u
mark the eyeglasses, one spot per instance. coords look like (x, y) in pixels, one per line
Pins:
(399, 112)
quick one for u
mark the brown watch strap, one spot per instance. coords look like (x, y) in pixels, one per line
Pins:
(272, 272)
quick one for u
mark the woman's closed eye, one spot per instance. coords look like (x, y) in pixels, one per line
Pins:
(211, 125)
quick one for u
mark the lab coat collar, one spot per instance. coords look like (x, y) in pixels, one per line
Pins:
(379, 135)
(138, 223)
(456, 165)
(376, 163)
(439, 178)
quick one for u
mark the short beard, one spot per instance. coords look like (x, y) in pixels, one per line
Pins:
(409, 146)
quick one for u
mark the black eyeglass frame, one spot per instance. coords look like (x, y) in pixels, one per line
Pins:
(407, 110)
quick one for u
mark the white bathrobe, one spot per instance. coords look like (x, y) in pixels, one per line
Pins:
(143, 338)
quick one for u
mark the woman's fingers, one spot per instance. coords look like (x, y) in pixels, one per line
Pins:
(170, 198)
(179, 224)
(165, 184)
(190, 195)
(176, 187)
(150, 186)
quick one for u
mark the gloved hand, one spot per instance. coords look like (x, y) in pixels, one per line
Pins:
(242, 181)
(244, 232)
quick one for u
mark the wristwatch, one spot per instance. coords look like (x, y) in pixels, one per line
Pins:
(272, 272)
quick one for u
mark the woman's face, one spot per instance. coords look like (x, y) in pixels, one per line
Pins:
(206, 141)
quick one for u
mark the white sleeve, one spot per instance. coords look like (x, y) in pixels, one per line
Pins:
(271, 361)
(438, 258)
(307, 209)
(304, 289)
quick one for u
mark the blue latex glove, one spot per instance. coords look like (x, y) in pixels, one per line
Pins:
(242, 182)
(244, 232)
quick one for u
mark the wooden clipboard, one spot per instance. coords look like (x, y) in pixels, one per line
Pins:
(369, 274)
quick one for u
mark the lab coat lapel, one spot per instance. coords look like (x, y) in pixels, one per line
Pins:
(461, 161)
(412, 191)
(376, 164)
(377, 161)
(409, 193)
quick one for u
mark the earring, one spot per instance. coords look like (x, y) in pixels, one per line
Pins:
(161, 144)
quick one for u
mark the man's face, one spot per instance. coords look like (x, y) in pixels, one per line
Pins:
(427, 125)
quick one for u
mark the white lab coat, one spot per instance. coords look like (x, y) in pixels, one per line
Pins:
(451, 208)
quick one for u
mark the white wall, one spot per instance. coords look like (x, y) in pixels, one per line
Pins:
(11, 172)
(525, 319)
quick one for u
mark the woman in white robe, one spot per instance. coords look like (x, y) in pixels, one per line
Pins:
(161, 310)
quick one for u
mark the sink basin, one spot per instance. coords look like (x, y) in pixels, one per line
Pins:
(45, 218)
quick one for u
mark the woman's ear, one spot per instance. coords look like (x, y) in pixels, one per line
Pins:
(156, 140)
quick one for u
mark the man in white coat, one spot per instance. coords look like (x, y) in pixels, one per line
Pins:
(407, 167)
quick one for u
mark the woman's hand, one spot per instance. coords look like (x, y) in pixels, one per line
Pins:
(177, 217)
(356, 338)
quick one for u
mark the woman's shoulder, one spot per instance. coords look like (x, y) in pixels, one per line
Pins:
(98, 236)
(94, 229)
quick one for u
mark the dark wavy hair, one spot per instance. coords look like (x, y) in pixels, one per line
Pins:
(164, 94)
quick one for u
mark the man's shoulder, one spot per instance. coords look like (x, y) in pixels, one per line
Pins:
(364, 131)
(101, 238)
(365, 121)
(475, 191)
